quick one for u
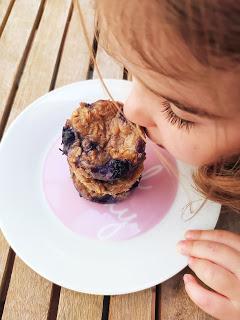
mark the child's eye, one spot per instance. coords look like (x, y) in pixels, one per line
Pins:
(174, 119)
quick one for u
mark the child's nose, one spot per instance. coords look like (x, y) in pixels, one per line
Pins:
(136, 111)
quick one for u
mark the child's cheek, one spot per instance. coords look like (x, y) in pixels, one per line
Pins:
(185, 147)
(185, 152)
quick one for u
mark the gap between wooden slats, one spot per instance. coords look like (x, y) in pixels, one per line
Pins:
(29, 294)
(8, 266)
(135, 306)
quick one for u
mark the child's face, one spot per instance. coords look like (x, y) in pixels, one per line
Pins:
(209, 127)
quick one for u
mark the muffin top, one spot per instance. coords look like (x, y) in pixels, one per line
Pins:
(99, 139)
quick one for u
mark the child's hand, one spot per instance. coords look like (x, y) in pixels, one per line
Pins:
(214, 256)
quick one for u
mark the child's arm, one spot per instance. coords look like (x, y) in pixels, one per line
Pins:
(214, 256)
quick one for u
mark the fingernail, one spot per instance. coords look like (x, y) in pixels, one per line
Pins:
(182, 247)
(192, 234)
(187, 278)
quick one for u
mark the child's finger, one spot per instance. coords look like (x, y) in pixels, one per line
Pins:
(222, 236)
(216, 252)
(212, 303)
(216, 277)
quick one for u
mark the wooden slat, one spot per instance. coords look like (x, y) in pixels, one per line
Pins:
(179, 306)
(28, 293)
(135, 306)
(5, 9)
(14, 44)
(73, 67)
(75, 56)
(74, 305)
(129, 76)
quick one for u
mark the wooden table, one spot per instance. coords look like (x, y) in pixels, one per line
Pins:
(42, 47)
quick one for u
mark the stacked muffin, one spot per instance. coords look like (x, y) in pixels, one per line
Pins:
(105, 152)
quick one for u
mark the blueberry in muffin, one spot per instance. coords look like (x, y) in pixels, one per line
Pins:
(105, 151)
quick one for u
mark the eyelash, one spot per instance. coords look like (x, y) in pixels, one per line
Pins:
(174, 119)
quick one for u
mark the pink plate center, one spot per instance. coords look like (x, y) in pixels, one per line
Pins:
(140, 212)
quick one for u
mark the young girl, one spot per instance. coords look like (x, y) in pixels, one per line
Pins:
(184, 57)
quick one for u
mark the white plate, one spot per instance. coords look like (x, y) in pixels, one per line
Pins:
(118, 263)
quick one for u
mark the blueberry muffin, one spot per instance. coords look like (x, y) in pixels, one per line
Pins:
(105, 152)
